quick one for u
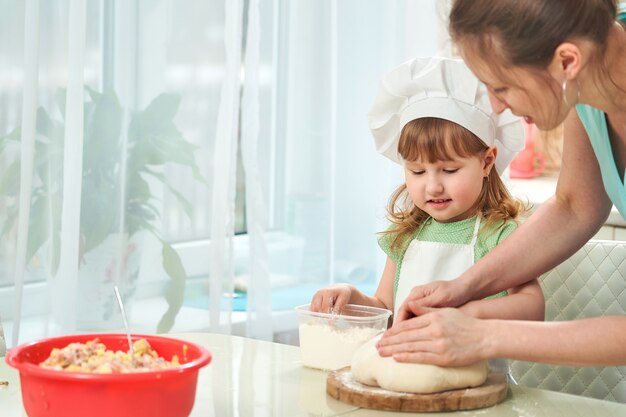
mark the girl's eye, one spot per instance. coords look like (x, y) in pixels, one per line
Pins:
(418, 172)
(499, 90)
(450, 170)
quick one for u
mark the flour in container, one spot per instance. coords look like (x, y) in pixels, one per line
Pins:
(324, 346)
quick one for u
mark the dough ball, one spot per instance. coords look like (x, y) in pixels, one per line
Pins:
(369, 368)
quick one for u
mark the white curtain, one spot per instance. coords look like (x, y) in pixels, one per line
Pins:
(210, 158)
(336, 186)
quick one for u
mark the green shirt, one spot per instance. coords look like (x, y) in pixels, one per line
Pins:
(457, 232)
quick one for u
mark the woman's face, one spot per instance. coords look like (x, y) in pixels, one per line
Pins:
(532, 97)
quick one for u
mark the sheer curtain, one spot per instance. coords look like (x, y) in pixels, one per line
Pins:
(210, 158)
(115, 161)
(336, 186)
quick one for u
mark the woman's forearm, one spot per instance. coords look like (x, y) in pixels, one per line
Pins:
(553, 233)
(597, 341)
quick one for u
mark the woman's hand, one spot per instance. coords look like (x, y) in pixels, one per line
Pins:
(435, 294)
(331, 299)
(444, 337)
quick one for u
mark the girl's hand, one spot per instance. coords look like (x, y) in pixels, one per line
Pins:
(444, 337)
(331, 299)
(435, 294)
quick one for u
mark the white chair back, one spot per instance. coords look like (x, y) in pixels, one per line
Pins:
(591, 283)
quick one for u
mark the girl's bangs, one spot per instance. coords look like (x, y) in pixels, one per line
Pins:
(432, 139)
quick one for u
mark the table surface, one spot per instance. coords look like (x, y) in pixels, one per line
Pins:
(248, 377)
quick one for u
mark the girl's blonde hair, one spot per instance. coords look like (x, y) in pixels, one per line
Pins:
(432, 139)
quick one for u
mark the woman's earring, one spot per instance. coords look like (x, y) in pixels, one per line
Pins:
(564, 88)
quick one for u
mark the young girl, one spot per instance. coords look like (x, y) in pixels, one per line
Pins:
(433, 116)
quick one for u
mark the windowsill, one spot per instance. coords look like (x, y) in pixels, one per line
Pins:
(144, 314)
(537, 190)
(150, 304)
(190, 319)
(143, 320)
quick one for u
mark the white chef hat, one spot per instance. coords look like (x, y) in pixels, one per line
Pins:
(446, 89)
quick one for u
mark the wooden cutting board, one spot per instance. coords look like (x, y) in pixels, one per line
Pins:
(341, 385)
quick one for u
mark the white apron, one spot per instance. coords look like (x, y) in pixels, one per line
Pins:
(426, 262)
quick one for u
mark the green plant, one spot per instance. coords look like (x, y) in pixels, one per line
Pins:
(152, 141)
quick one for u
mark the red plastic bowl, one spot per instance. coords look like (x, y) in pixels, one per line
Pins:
(162, 393)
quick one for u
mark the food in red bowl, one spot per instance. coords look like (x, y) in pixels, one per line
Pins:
(166, 392)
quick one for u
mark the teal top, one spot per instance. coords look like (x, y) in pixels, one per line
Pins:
(621, 12)
(456, 232)
(595, 124)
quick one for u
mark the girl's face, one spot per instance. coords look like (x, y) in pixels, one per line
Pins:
(532, 98)
(448, 190)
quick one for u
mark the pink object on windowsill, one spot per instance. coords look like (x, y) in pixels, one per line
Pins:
(528, 163)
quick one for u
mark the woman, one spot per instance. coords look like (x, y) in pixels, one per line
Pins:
(549, 61)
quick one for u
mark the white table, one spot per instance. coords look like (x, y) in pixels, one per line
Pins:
(248, 377)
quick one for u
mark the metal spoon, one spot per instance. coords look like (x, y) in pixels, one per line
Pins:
(130, 342)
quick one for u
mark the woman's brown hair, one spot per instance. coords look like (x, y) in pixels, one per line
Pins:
(526, 33)
(432, 139)
(529, 31)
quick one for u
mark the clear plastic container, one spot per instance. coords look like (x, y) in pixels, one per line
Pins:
(328, 341)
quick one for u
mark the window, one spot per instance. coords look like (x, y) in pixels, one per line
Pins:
(324, 187)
